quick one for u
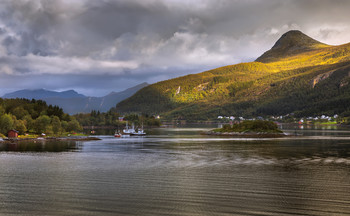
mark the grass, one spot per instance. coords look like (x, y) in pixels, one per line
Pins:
(328, 123)
(28, 136)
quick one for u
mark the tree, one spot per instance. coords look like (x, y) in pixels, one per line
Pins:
(74, 126)
(56, 125)
(19, 112)
(6, 123)
(64, 125)
(2, 111)
(41, 124)
(20, 126)
(29, 122)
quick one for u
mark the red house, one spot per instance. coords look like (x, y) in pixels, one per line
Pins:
(12, 134)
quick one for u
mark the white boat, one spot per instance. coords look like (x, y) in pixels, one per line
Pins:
(139, 132)
(129, 131)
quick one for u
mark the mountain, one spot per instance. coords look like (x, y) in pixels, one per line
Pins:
(42, 94)
(297, 75)
(291, 43)
(72, 102)
(87, 104)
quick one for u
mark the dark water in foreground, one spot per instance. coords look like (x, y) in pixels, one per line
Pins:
(179, 172)
(39, 146)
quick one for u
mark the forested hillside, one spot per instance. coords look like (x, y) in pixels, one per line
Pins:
(298, 75)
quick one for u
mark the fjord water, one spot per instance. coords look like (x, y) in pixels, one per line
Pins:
(177, 171)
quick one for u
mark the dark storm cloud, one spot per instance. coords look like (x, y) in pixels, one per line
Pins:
(113, 44)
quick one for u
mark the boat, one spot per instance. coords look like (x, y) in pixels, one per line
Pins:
(117, 134)
(139, 132)
(129, 131)
(132, 132)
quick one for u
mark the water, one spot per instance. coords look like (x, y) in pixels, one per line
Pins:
(180, 172)
(50, 145)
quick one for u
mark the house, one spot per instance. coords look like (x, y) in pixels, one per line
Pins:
(12, 134)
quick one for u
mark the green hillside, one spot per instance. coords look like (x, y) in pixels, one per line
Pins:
(299, 75)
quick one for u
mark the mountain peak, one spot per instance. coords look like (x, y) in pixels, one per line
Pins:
(291, 43)
(71, 91)
(295, 39)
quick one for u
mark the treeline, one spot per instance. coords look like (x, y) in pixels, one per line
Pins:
(114, 119)
(144, 119)
(96, 118)
(35, 116)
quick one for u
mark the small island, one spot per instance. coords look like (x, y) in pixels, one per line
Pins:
(249, 129)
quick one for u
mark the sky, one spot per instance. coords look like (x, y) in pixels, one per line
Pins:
(99, 46)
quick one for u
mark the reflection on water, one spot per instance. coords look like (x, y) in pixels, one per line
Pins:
(39, 146)
(180, 172)
(314, 130)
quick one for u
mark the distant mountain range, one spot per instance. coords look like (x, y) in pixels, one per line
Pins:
(72, 102)
(42, 94)
(298, 76)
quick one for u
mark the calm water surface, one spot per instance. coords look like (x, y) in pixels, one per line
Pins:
(180, 172)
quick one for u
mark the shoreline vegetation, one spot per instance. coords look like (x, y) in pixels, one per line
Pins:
(113, 120)
(249, 129)
(33, 117)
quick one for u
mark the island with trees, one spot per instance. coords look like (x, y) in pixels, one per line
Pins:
(249, 128)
